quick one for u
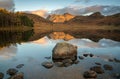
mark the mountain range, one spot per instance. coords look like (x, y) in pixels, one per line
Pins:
(95, 19)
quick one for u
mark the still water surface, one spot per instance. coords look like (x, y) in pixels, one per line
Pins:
(33, 53)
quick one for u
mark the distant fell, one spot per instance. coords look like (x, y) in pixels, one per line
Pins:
(96, 19)
(60, 18)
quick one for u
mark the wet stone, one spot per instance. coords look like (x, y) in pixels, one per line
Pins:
(12, 71)
(97, 63)
(76, 61)
(1, 75)
(85, 55)
(81, 57)
(110, 60)
(97, 69)
(48, 57)
(90, 74)
(20, 66)
(116, 60)
(117, 75)
(73, 58)
(67, 64)
(17, 76)
(91, 55)
(47, 65)
(67, 61)
(59, 64)
(108, 67)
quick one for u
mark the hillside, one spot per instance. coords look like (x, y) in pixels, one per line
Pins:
(38, 20)
(60, 18)
(96, 19)
(14, 19)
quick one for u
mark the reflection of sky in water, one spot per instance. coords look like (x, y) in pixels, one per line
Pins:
(32, 54)
(8, 52)
(82, 43)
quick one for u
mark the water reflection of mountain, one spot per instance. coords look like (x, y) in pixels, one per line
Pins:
(12, 37)
(84, 42)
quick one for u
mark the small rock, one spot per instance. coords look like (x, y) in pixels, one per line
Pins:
(18, 76)
(111, 60)
(91, 55)
(97, 63)
(97, 69)
(117, 75)
(1, 75)
(67, 61)
(48, 57)
(81, 57)
(59, 64)
(12, 71)
(85, 55)
(47, 64)
(90, 74)
(116, 60)
(108, 67)
(67, 64)
(73, 58)
(20, 66)
(76, 62)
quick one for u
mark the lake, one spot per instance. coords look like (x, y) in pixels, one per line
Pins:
(15, 49)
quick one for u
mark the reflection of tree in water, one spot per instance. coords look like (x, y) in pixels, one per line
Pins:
(12, 37)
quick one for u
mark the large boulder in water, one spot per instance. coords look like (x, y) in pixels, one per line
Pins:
(64, 51)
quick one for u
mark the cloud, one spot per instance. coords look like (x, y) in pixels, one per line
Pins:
(7, 4)
(81, 0)
(8, 52)
(78, 10)
(42, 13)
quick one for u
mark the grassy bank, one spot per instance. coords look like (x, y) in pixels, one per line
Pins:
(22, 28)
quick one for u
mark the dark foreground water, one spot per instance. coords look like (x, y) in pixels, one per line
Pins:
(33, 53)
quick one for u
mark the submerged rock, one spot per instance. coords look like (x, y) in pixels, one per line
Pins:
(117, 75)
(64, 51)
(48, 57)
(59, 64)
(76, 61)
(97, 69)
(97, 63)
(67, 62)
(108, 67)
(90, 74)
(91, 55)
(81, 57)
(20, 66)
(47, 64)
(17, 76)
(110, 60)
(1, 75)
(12, 71)
(85, 55)
(116, 60)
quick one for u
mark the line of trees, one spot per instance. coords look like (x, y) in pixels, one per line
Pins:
(14, 19)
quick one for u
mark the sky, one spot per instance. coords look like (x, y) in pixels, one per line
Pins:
(75, 7)
(23, 5)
